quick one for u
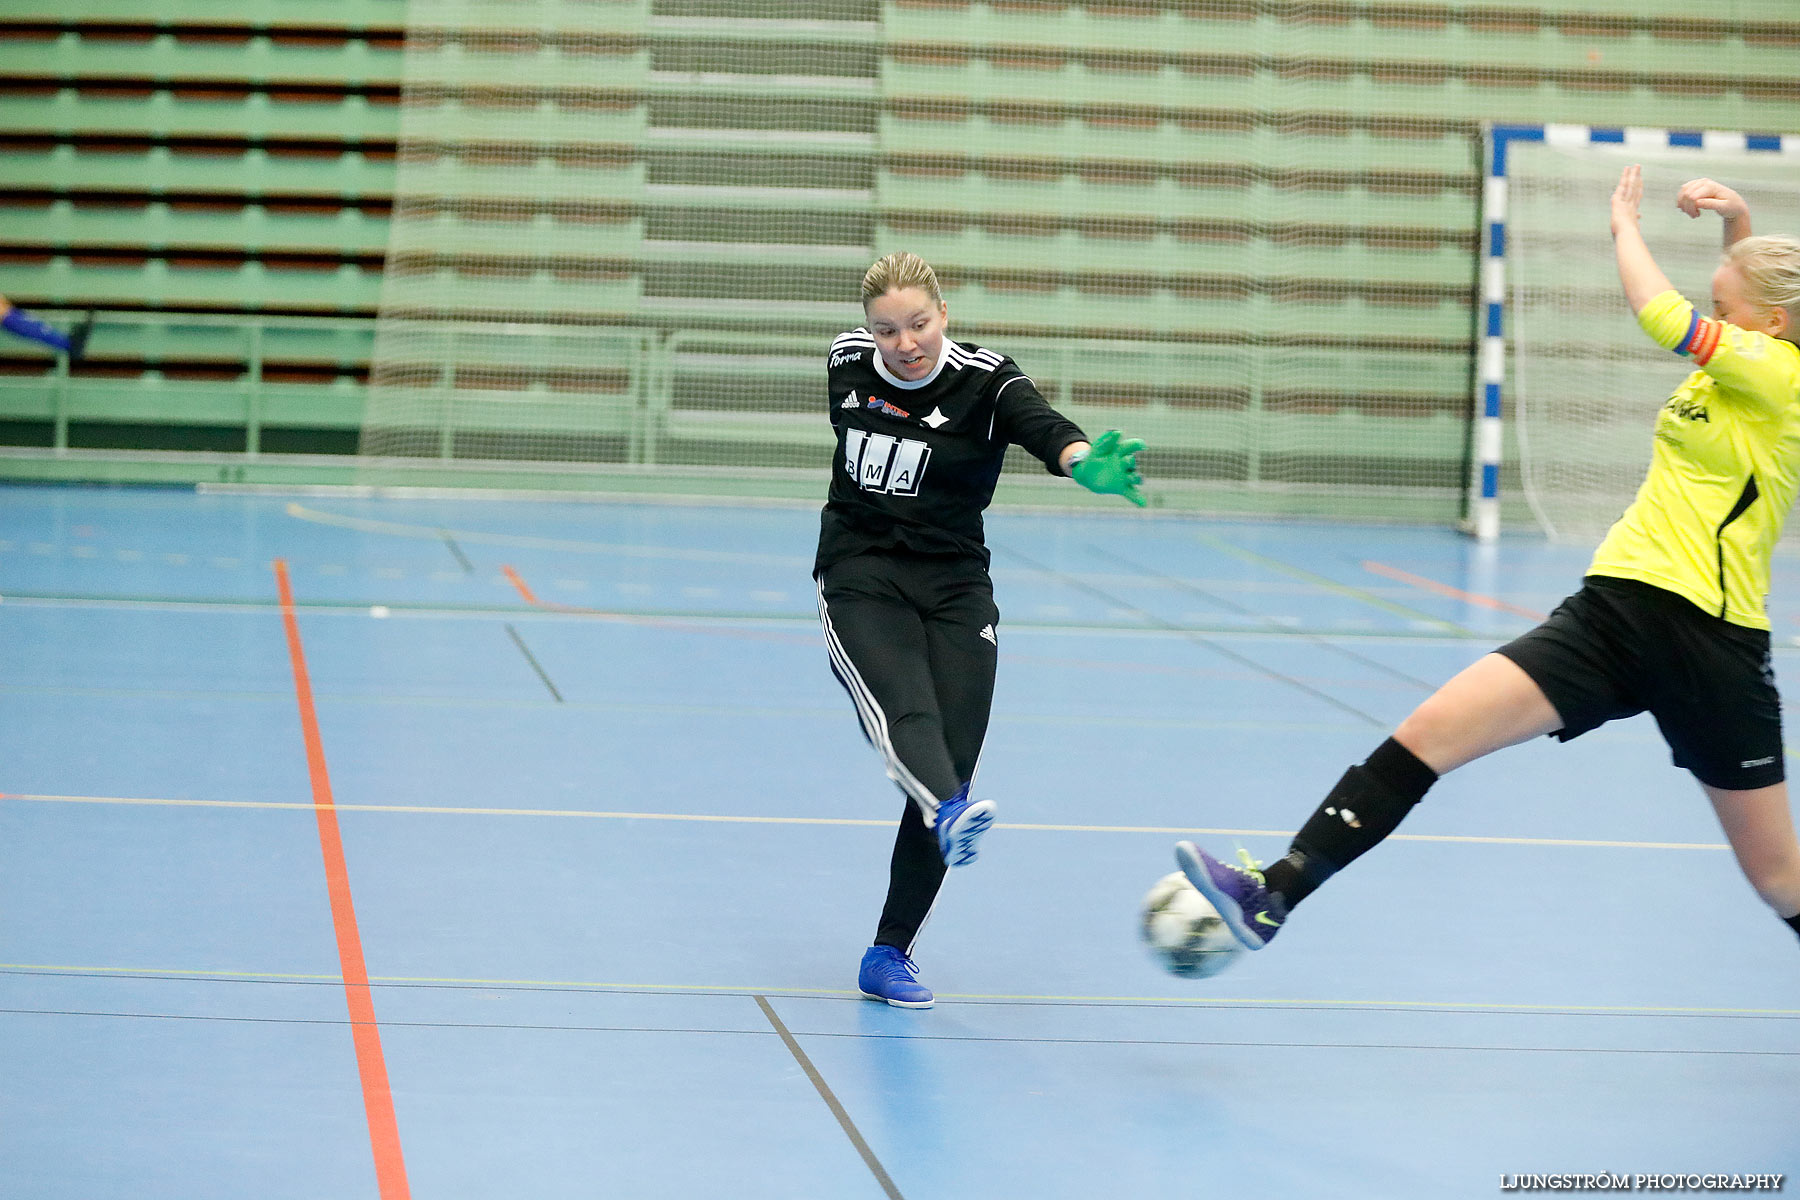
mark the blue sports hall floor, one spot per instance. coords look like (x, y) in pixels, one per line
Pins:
(410, 846)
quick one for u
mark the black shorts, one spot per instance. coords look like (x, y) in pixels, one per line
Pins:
(1619, 647)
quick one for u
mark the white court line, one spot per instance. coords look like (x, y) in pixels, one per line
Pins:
(729, 819)
(683, 620)
(435, 533)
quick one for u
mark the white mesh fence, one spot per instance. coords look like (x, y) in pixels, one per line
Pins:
(625, 230)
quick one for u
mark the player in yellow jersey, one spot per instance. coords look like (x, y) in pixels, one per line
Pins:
(1669, 619)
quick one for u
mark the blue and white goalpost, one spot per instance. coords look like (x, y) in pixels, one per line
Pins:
(1584, 381)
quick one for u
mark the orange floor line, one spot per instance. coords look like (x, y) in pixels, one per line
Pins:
(1444, 589)
(378, 1100)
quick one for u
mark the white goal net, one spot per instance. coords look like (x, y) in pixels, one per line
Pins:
(1586, 383)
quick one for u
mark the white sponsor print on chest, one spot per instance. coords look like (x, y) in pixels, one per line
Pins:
(880, 463)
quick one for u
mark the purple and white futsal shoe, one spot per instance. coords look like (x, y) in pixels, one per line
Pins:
(1252, 913)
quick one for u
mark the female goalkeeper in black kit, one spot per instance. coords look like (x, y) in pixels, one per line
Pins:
(907, 606)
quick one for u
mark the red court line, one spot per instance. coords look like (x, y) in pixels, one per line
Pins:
(1444, 589)
(378, 1101)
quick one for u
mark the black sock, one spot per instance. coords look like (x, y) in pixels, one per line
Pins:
(1793, 923)
(1367, 804)
(915, 873)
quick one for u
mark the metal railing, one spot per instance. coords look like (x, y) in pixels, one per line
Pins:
(727, 401)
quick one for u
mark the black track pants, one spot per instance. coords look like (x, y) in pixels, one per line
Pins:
(913, 641)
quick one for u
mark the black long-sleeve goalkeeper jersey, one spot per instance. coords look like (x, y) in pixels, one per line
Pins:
(917, 461)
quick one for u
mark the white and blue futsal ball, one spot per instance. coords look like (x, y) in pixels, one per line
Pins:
(1185, 933)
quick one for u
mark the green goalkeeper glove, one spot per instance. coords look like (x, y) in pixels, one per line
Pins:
(1110, 467)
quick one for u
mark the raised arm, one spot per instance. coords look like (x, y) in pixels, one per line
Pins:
(1638, 272)
(1702, 195)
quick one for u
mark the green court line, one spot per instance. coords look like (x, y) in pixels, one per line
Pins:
(1331, 585)
(1070, 998)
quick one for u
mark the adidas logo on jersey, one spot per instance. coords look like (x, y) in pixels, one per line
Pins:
(849, 401)
(987, 631)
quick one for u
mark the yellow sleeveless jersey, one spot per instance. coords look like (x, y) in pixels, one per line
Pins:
(1724, 471)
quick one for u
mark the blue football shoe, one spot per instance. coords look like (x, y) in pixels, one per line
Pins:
(960, 824)
(889, 975)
